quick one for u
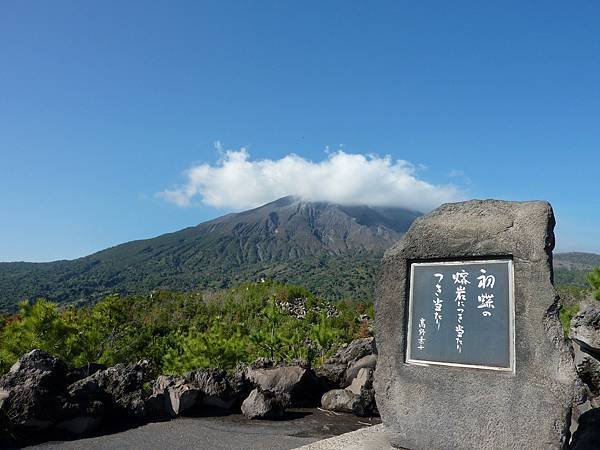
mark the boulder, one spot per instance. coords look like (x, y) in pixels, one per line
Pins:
(353, 351)
(451, 407)
(81, 418)
(362, 381)
(118, 387)
(78, 373)
(588, 369)
(338, 400)
(585, 328)
(299, 382)
(363, 403)
(265, 404)
(369, 361)
(33, 392)
(171, 396)
(587, 436)
(219, 388)
(333, 373)
(331, 376)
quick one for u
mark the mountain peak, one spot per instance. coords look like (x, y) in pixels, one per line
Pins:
(271, 239)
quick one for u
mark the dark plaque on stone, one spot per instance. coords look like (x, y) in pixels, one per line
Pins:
(461, 313)
(494, 370)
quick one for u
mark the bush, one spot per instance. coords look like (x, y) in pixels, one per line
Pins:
(178, 332)
(566, 314)
(593, 279)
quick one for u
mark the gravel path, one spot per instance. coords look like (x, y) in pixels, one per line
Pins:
(303, 426)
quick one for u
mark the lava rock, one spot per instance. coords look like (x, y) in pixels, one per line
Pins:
(79, 373)
(219, 388)
(364, 404)
(265, 404)
(358, 398)
(369, 361)
(171, 396)
(33, 392)
(353, 351)
(362, 381)
(333, 374)
(587, 436)
(340, 400)
(120, 388)
(585, 327)
(299, 382)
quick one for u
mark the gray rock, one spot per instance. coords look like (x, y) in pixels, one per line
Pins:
(81, 418)
(587, 436)
(264, 404)
(588, 369)
(33, 392)
(331, 376)
(353, 351)
(585, 327)
(79, 373)
(438, 407)
(341, 400)
(119, 388)
(219, 388)
(80, 425)
(172, 396)
(362, 381)
(333, 373)
(364, 404)
(369, 361)
(299, 382)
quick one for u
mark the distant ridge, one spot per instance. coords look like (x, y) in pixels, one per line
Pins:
(331, 249)
(573, 267)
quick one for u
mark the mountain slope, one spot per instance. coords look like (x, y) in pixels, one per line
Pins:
(331, 249)
(572, 268)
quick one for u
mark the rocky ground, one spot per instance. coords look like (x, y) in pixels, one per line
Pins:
(263, 405)
(41, 399)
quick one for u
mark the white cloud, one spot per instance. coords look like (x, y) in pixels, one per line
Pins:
(238, 182)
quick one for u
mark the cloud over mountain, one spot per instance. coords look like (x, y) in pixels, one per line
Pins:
(238, 182)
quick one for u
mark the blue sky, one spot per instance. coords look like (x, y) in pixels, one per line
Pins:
(104, 105)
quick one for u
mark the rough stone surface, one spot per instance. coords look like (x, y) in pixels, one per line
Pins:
(299, 382)
(585, 327)
(587, 436)
(365, 404)
(219, 388)
(263, 404)
(369, 361)
(363, 380)
(435, 407)
(338, 400)
(588, 369)
(354, 351)
(172, 396)
(33, 392)
(119, 388)
(334, 373)
(79, 373)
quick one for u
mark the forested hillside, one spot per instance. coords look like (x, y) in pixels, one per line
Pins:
(331, 249)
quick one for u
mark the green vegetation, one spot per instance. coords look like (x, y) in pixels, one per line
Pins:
(177, 332)
(594, 279)
(566, 314)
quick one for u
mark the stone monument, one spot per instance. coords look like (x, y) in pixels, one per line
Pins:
(471, 350)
